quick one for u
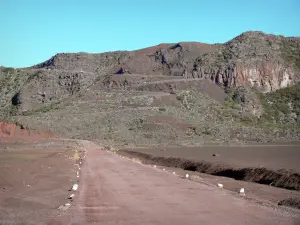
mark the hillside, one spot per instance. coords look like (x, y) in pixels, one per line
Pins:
(245, 90)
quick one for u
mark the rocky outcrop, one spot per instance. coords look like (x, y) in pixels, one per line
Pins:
(265, 75)
(47, 87)
(78, 62)
(251, 59)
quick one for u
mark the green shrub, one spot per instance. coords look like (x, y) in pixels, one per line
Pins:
(34, 75)
(282, 107)
(248, 120)
(275, 102)
(291, 52)
(42, 109)
(7, 70)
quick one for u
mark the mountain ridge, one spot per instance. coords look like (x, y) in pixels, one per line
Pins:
(252, 58)
(246, 89)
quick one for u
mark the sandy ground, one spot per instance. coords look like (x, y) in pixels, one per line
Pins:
(268, 156)
(114, 190)
(273, 157)
(34, 180)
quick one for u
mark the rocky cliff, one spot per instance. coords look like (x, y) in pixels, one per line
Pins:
(268, 62)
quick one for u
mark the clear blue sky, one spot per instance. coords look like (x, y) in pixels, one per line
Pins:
(34, 30)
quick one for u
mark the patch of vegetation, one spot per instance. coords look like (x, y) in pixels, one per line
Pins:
(7, 69)
(237, 104)
(229, 102)
(34, 75)
(282, 106)
(279, 109)
(8, 112)
(46, 108)
(248, 120)
(42, 109)
(206, 131)
(291, 52)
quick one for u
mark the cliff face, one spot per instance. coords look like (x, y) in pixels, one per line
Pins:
(265, 75)
(268, 62)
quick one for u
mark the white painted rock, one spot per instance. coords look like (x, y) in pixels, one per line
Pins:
(242, 191)
(187, 176)
(220, 185)
(65, 206)
(174, 173)
(154, 166)
(71, 196)
(75, 187)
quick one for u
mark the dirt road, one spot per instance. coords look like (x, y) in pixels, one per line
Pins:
(113, 190)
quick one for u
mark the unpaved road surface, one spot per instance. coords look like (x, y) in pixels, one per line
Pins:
(113, 190)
